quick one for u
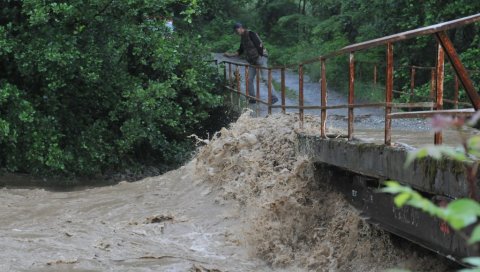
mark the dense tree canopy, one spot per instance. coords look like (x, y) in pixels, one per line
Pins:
(90, 85)
(295, 30)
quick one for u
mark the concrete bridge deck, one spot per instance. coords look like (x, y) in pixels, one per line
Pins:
(358, 169)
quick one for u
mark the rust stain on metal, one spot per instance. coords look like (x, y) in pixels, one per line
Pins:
(440, 73)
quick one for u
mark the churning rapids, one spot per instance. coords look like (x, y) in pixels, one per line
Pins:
(246, 202)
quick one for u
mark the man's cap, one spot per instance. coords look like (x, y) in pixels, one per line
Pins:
(237, 25)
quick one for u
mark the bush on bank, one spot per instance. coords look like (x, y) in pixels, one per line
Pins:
(87, 86)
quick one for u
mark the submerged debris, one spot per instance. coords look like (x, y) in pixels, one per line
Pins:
(62, 262)
(158, 219)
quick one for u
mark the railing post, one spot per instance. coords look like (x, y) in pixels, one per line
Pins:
(323, 91)
(432, 85)
(389, 95)
(375, 76)
(455, 93)
(300, 94)
(412, 83)
(269, 90)
(351, 100)
(230, 75)
(257, 93)
(246, 82)
(283, 89)
(237, 72)
(440, 72)
(225, 74)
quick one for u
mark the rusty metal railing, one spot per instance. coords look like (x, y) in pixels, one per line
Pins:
(444, 47)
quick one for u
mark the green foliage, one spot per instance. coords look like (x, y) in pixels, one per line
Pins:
(459, 213)
(87, 86)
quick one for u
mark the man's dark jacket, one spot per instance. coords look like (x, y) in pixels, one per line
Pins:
(252, 46)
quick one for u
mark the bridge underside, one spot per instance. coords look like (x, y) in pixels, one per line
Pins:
(357, 169)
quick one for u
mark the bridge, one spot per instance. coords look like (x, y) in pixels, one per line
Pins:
(372, 140)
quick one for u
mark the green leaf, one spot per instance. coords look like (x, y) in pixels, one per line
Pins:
(460, 222)
(470, 270)
(392, 187)
(464, 206)
(475, 236)
(401, 199)
(475, 261)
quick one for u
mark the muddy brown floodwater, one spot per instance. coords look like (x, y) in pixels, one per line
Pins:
(246, 202)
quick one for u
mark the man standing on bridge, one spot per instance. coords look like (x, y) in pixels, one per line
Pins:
(252, 46)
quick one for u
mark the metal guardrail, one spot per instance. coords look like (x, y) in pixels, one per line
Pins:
(444, 47)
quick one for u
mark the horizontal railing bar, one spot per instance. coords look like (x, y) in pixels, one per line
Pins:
(344, 106)
(413, 105)
(427, 114)
(458, 102)
(232, 89)
(297, 107)
(371, 105)
(247, 96)
(422, 67)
